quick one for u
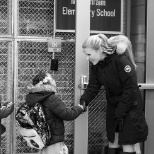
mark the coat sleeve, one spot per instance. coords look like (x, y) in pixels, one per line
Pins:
(62, 111)
(128, 79)
(92, 88)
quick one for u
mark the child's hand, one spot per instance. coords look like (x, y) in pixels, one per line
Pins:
(9, 104)
(81, 106)
(5, 104)
(5, 111)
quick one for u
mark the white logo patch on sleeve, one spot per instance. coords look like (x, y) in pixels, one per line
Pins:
(127, 68)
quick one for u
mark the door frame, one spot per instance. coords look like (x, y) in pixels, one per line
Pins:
(82, 31)
(149, 93)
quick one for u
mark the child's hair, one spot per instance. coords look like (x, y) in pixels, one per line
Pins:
(39, 77)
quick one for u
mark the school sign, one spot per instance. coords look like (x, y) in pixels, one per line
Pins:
(105, 15)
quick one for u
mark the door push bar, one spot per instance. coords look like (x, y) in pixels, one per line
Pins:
(146, 85)
(84, 82)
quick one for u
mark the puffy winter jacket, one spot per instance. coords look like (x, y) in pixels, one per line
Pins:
(55, 111)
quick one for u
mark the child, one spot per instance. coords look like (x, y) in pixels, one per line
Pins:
(43, 90)
(5, 111)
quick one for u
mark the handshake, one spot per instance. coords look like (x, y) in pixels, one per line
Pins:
(83, 105)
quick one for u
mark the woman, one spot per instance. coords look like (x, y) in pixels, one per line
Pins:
(43, 90)
(115, 69)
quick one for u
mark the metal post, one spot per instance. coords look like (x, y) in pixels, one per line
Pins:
(81, 68)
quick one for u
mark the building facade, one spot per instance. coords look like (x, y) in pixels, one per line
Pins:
(26, 27)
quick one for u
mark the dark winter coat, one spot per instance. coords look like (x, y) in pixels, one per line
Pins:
(117, 74)
(55, 111)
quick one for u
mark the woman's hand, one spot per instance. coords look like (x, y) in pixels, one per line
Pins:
(83, 103)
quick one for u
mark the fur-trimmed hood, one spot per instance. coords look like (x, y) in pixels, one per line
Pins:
(41, 87)
(39, 93)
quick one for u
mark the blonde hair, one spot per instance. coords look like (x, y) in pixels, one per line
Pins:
(101, 41)
(115, 40)
(96, 42)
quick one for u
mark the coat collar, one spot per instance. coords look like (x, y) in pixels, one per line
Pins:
(107, 59)
(38, 93)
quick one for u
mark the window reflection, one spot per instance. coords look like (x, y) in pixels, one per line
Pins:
(137, 36)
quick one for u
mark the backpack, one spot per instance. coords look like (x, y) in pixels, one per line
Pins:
(33, 126)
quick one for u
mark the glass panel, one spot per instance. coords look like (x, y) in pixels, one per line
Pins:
(97, 139)
(35, 18)
(5, 17)
(138, 39)
(138, 36)
(5, 93)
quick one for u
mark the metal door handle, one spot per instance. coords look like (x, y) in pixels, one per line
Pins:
(83, 82)
(146, 85)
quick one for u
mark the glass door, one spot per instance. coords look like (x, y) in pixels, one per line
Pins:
(138, 35)
(141, 35)
(149, 94)
(138, 39)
